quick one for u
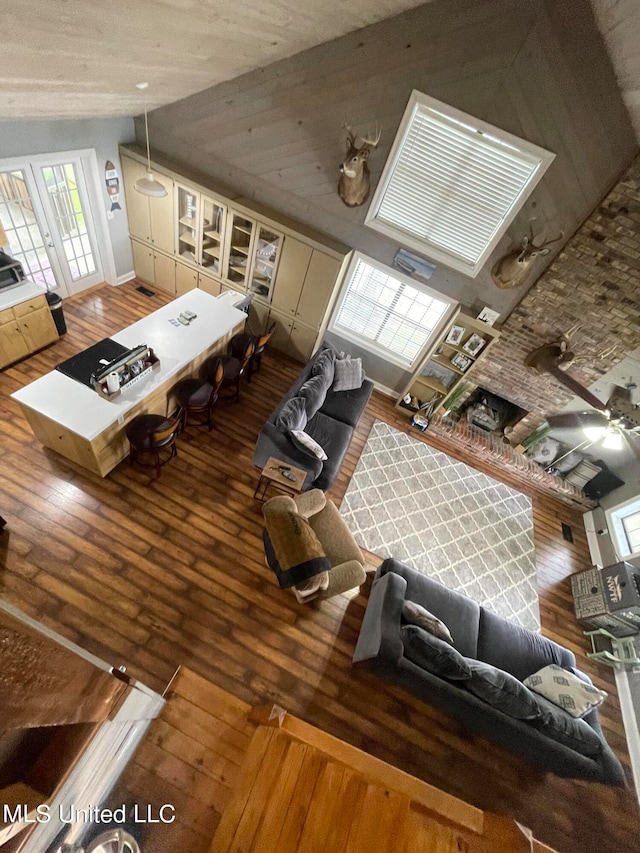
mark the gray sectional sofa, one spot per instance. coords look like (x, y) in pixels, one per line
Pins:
(553, 740)
(329, 417)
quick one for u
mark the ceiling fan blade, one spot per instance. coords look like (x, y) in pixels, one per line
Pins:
(574, 420)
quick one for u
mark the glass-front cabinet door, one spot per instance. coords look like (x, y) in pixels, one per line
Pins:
(213, 225)
(264, 261)
(188, 224)
(240, 237)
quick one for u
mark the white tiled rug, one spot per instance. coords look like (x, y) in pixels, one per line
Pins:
(447, 520)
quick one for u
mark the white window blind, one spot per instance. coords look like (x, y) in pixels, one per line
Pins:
(384, 312)
(452, 184)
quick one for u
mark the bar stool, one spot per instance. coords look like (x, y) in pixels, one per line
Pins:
(199, 396)
(152, 436)
(241, 348)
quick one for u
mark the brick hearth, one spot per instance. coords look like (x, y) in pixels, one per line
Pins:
(493, 449)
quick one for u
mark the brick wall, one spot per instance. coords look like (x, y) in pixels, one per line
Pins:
(593, 283)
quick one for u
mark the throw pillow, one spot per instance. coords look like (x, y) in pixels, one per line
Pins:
(308, 445)
(502, 691)
(416, 614)
(348, 374)
(544, 451)
(565, 690)
(569, 462)
(292, 415)
(432, 654)
(323, 365)
(313, 391)
(559, 726)
(293, 550)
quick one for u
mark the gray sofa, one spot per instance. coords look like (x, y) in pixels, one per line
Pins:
(332, 419)
(555, 741)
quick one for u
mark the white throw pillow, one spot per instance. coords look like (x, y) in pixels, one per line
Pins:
(565, 690)
(309, 445)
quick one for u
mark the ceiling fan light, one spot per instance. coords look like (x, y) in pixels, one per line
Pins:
(149, 186)
(613, 441)
(595, 433)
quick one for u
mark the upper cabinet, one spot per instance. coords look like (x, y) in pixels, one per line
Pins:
(214, 220)
(264, 261)
(150, 219)
(239, 247)
(188, 213)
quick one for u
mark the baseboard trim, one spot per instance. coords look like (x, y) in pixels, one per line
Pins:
(123, 279)
(389, 392)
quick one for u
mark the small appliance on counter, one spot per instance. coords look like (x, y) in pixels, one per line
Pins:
(11, 272)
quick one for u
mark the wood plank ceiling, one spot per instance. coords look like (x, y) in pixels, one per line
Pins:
(79, 58)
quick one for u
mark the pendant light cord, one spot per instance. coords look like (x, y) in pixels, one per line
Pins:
(146, 132)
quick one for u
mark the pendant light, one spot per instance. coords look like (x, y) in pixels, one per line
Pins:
(148, 185)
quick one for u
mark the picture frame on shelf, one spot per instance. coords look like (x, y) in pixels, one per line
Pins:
(474, 344)
(455, 336)
(437, 371)
(462, 362)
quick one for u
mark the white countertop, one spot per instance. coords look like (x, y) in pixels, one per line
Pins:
(11, 296)
(80, 409)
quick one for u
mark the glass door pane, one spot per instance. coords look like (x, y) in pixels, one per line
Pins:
(213, 223)
(265, 259)
(69, 219)
(26, 240)
(241, 233)
(188, 224)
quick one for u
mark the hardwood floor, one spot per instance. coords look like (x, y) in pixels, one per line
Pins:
(157, 574)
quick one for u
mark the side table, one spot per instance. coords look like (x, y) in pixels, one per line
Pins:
(272, 476)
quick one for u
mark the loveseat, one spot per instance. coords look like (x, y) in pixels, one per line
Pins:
(550, 738)
(327, 415)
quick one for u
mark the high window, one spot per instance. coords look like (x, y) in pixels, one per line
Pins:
(452, 184)
(624, 525)
(387, 312)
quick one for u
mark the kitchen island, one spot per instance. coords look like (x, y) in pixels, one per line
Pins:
(75, 421)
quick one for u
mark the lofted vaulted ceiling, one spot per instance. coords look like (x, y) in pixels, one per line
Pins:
(82, 58)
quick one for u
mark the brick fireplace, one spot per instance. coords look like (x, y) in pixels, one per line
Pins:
(594, 285)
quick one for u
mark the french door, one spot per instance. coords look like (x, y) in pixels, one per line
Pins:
(45, 209)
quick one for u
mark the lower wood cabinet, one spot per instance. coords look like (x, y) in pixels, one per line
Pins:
(25, 328)
(291, 336)
(209, 285)
(165, 273)
(154, 267)
(186, 279)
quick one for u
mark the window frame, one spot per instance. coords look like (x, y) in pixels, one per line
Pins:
(615, 524)
(417, 101)
(373, 346)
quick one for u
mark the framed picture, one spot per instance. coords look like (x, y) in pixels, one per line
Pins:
(456, 334)
(412, 265)
(438, 371)
(461, 361)
(488, 316)
(474, 344)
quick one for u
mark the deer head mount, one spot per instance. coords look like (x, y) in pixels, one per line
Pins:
(511, 269)
(355, 182)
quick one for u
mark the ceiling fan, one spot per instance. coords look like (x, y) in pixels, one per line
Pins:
(618, 416)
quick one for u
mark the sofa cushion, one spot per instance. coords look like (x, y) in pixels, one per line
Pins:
(458, 612)
(348, 374)
(565, 729)
(335, 438)
(324, 365)
(309, 445)
(566, 690)
(434, 655)
(293, 550)
(416, 614)
(292, 415)
(347, 406)
(516, 649)
(314, 390)
(502, 691)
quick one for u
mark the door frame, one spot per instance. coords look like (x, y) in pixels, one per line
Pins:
(95, 196)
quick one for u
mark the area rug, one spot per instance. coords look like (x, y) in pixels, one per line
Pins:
(447, 520)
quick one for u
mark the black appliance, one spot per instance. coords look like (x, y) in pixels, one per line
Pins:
(11, 272)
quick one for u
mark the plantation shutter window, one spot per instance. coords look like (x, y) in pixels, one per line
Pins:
(383, 312)
(452, 184)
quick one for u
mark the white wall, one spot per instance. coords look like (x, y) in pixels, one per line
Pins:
(18, 138)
